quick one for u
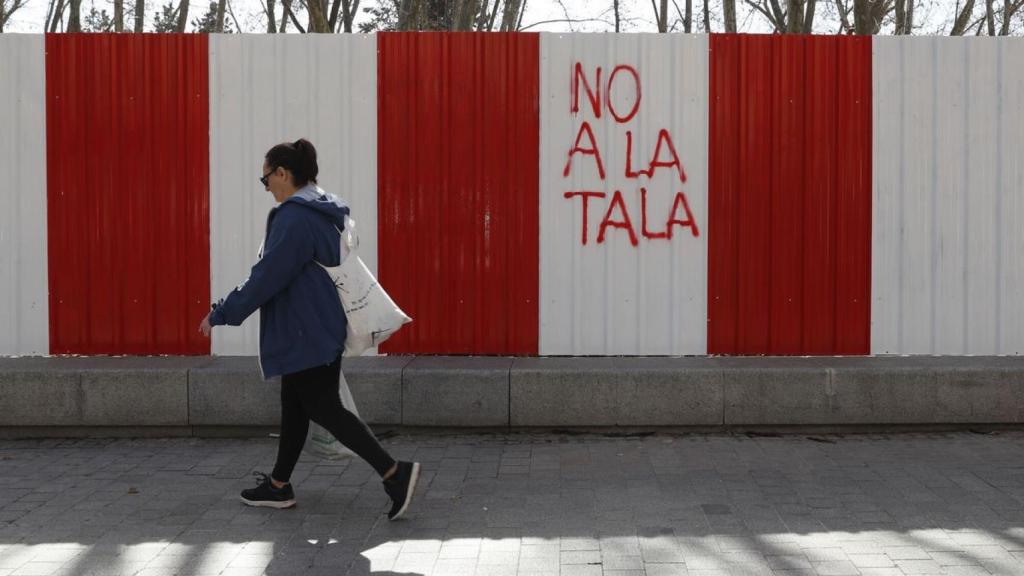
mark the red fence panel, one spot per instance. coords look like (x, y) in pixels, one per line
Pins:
(128, 193)
(789, 240)
(458, 172)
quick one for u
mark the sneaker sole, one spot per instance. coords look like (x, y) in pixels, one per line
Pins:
(268, 503)
(413, 478)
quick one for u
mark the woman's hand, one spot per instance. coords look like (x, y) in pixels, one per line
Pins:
(205, 327)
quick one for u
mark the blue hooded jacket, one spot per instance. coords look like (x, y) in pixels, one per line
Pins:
(302, 324)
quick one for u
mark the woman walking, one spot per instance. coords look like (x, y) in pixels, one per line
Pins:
(302, 327)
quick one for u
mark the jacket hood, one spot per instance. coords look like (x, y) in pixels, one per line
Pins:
(314, 197)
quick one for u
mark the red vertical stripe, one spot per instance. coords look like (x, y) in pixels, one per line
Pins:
(458, 162)
(790, 195)
(128, 193)
(854, 184)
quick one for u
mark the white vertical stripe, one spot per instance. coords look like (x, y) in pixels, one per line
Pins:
(888, 96)
(946, 271)
(1009, 141)
(950, 172)
(612, 297)
(980, 210)
(24, 290)
(265, 90)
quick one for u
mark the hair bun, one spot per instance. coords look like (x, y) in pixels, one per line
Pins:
(299, 157)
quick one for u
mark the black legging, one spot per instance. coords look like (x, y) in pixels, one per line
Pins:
(312, 394)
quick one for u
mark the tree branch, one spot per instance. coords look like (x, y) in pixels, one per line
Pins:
(231, 11)
(962, 19)
(780, 16)
(562, 20)
(764, 12)
(291, 15)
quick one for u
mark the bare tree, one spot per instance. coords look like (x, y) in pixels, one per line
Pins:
(348, 10)
(661, 15)
(292, 17)
(140, 15)
(7, 9)
(221, 9)
(1010, 10)
(868, 15)
(118, 15)
(729, 11)
(904, 17)
(796, 18)
(618, 18)
(446, 15)
(54, 15)
(494, 15)
(182, 15)
(464, 14)
(512, 15)
(963, 18)
(316, 10)
(75, 16)
(685, 19)
(269, 9)
(707, 18)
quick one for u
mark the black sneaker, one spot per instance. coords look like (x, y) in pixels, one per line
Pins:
(266, 495)
(400, 488)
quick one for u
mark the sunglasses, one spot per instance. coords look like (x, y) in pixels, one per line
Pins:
(265, 179)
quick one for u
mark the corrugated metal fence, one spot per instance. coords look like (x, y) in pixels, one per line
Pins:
(527, 193)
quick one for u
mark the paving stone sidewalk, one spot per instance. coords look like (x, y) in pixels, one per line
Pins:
(525, 504)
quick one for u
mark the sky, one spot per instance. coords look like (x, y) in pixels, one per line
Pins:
(934, 16)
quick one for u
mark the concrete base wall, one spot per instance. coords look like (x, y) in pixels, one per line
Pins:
(214, 393)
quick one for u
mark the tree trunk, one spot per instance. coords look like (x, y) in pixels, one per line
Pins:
(1010, 10)
(511, 15)
(963, 19)
(332, 19)
(467, 15)
(317, 18)
(75, 18)
(868, 16)
(707, 18)
(271, 17)
(140, 15)
(182, 16)
(990, 17)
(618, 18)
(729, 11)
(350, 16)
(221, 9)
(481, 16)
(405, 14)
(794, 16)
(688, 19)
(660, 15)
(56, 17)
(118, 15)
(494, 15)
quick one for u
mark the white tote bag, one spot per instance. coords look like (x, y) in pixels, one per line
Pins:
(372, 315)
(372, 318)
(321, 443)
